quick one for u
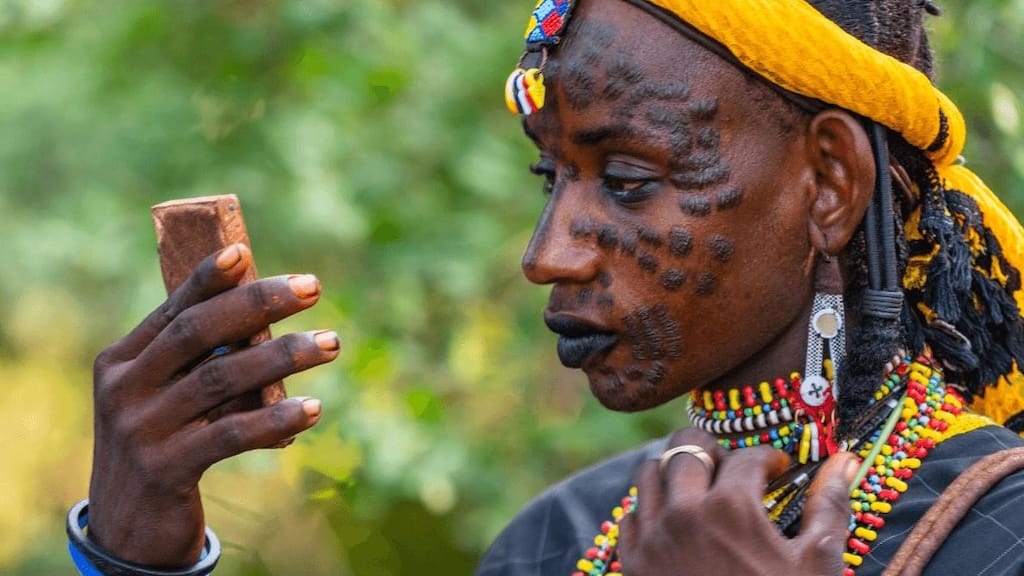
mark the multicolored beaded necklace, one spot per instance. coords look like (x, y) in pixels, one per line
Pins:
(911, 411)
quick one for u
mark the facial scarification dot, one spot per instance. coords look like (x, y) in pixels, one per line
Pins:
(649, 237)
(634, 373)
(584, 296)
(605, 301)
(707, 137)
(721, 248)
(648, 262)
(656, 375)
(606, 280)
(672, 279)
(703, 109)
(581, 228)
(706, 284)
(729, 198)
(653, 334)
(628, 244)
(608, 237)
(695, 205)
(680, 242)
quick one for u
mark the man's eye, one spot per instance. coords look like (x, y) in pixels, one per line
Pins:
(628, 191)
(547, 170)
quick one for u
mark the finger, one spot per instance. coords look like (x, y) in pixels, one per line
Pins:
(224, 319)
(827, 513)
(226, 377)
(243, 431)
(686, 476)
(748, 471)
(215, 274)
(651, 493)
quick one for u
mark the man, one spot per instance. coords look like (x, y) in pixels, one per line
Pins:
(703, 224)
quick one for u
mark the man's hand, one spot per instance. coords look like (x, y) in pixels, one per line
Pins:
(152, 391)
(697, 520)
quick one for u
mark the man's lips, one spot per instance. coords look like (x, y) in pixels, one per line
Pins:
(578, 340)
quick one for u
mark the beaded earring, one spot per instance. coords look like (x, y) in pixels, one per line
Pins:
(525, 91)
(826, 350)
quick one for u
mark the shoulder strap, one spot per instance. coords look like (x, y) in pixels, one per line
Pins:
(956, 500)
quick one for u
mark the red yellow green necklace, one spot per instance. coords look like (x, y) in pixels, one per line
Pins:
(911, 413)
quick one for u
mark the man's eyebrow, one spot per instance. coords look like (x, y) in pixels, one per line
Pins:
(594, 136)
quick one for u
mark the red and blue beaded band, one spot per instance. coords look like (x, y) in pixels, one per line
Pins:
(524, 90)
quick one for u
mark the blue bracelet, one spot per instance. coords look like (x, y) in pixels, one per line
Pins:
(91, 560)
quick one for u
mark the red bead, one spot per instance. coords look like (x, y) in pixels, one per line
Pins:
(926, 443)
(616, 566)
(859, 547)
(578, 574)
(776, 405)
(748, 396)
(903, 473)
(780, 388)
(765, 438)
(719, 397)
(626, 502)
(888, 494)
(848, 572)
(591, 553)
(606, 526)
(873, 521)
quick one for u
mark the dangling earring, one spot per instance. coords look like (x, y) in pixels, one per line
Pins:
(826, 350)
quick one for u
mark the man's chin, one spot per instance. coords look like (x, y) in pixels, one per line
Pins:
(615, 393)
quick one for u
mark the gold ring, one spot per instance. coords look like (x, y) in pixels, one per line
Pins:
(691, 449)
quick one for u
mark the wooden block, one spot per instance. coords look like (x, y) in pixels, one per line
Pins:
(191, 229)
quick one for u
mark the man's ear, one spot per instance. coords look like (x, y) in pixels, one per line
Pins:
(844, 167)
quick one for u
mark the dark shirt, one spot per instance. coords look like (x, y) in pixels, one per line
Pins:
(548, 536)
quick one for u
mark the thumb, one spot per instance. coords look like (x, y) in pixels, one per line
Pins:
(827, 514)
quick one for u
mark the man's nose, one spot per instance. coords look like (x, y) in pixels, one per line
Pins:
(561, 251)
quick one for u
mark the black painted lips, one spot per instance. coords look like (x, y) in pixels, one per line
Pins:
(577, 340)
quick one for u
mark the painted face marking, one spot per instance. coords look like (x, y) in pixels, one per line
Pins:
(721, 248)
(729, 198)
(694, 205)
(673, 279)
(706, 284)
(608, 237)
(647, 262)
(680, 242)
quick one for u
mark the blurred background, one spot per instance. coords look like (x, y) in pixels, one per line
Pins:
(369, 143)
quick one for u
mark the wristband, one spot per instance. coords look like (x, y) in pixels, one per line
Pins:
(91, 560)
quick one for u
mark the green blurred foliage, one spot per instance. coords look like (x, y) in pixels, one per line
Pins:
(369, 144)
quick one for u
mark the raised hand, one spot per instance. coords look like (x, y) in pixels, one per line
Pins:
(705, 516)
(153, 392)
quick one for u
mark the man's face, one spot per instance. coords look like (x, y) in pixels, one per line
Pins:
(675, 235)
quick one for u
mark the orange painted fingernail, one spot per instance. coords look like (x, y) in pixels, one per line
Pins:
(312, 407)
(229, 257)
(305, 285)
(327, 341)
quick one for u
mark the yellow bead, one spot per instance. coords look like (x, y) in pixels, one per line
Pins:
(758, 411)
(887, 449)
(600, 540)
(879, 460)
(856, 494)
(766, 392)
(852, 559)
(633, 492)
(952, 401)
(912, 463)
(734, 399)
(613, 532)
(617, 513)
(896, 484)
(584, 565)
(883, 507)
(865, 534)
(709, 403)
(872, 497)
